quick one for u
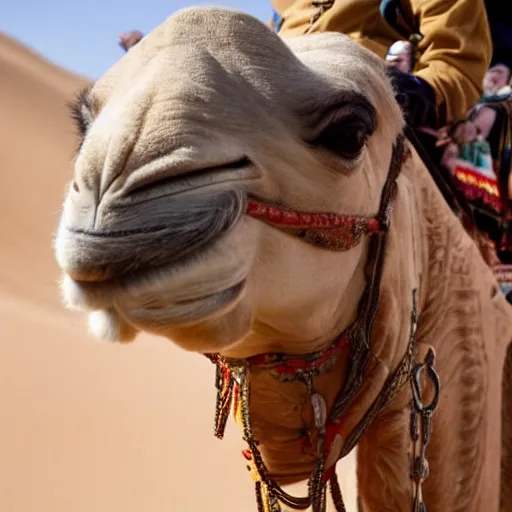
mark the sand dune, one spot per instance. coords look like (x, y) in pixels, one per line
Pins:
(86, 427)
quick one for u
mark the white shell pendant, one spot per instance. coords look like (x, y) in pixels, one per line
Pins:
(319, 410)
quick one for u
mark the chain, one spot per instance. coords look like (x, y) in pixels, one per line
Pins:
(421, 427)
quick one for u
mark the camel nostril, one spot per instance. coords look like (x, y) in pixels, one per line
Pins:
(150, 185)
(75, 187)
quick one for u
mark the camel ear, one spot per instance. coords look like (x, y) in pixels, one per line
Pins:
(345, 127)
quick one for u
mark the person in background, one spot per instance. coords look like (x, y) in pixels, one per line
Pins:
(497, 82)
(486, 119)
(401, 59)
(478, 153)
(128, 39)
(399, 56)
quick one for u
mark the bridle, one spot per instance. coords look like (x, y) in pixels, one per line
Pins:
(338, 233)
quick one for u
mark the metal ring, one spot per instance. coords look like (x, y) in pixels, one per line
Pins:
(416, 386)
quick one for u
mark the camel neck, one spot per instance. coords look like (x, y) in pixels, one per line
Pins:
(310, 397)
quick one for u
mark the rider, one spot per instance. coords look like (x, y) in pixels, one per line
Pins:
(454, 51)
(450, 53)
(399, 56)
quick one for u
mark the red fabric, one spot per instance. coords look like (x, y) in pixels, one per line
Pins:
(476, 186)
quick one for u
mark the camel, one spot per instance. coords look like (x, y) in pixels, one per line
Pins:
(253, 200)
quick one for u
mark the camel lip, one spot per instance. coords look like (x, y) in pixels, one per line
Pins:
(234, 290)
(123, 278)
(117, 233)
(188, 226)
(185, 312)
(112, 290)
(162, 227)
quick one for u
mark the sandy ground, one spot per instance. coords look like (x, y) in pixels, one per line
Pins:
(86, 426)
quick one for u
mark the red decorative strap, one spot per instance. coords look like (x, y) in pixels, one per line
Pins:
(285, 218)
(290, 366)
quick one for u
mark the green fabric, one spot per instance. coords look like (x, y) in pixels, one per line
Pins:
(478, 154)
(495, 97)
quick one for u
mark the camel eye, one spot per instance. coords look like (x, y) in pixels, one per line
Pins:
(346, 135)
(348, 126)
(346, 140)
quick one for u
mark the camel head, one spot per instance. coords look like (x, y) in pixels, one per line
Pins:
(210, 111)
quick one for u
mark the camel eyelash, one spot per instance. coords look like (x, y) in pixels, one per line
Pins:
(81, 111)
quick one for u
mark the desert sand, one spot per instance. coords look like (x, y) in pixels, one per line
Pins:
(88, 426)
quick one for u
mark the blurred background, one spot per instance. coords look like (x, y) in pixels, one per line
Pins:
(86, 426)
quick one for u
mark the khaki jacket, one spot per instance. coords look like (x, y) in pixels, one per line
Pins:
(455, 50)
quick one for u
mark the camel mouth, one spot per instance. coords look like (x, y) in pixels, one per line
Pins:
(159, 298)
(180, 228)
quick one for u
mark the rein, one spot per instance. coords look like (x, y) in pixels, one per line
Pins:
(338, 233)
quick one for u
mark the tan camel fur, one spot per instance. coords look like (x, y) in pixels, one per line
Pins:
(212, 106)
